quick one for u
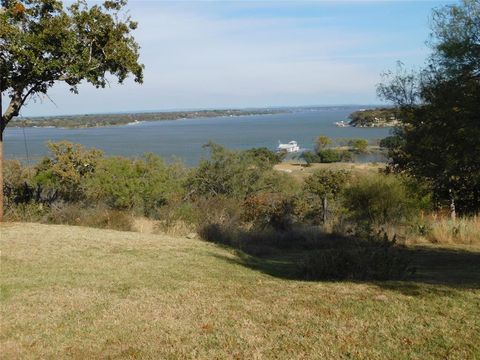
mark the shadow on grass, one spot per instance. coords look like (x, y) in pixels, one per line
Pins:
(433, 265)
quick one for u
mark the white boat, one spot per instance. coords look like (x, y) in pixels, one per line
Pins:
(341, 124)
(291, 147)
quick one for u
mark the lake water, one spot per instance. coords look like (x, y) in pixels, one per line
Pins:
(183, 139)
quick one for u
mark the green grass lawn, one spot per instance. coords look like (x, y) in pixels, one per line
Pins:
(72, 292)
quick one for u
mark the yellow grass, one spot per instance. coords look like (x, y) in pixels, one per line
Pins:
(82, 293)
(442, 230)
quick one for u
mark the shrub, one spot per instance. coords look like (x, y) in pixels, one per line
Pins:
(379, 200)
(67, 169)
(269, 210)
(235, 174)
(322, 142)
(310, 157)
(98, 216)
(359, 146)
(326, 156)
(391, 142)
(265, 155)
(218, 210)
(260, 242)
(17, 183)
(373, 258)
(26, 212)
(141, 185)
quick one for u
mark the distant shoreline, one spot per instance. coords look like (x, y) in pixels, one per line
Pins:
(106, 120)
(85, 121)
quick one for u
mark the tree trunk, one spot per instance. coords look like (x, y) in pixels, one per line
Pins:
(17, 100)
(1, 176)
(324, 210)
(2, 127)
(453, 212)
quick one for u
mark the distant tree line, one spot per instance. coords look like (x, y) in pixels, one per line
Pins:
(98, 120)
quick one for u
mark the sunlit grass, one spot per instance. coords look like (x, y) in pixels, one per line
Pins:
(72, 292)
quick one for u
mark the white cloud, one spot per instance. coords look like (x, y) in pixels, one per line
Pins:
(196, 57)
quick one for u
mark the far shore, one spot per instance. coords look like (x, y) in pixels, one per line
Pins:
(107, 120)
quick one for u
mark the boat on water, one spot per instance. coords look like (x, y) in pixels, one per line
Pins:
(290, 147)
(341, 124)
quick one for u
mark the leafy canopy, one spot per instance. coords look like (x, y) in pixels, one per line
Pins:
(440, 107)
(43, 42)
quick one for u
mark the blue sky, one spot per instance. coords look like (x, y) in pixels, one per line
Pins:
(256, 54)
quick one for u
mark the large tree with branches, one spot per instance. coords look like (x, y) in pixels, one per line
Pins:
(43, 42)
(439, 139)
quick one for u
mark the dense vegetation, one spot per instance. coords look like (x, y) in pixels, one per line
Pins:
(234, 197)
(438, 140)
(43, 42)
(341, 150)
(374, 118)
(238, 198)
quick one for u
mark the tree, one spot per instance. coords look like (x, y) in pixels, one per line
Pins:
(234, 174)
(42, 43)
(322, 142)
(438, 140)
(326, 184)
(359, 146)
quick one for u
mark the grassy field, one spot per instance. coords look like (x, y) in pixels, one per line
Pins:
(73, 292)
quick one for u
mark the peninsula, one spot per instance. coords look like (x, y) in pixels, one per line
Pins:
(380, 117)
(100, 120)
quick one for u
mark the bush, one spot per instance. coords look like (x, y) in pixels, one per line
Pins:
(265, 155)
(98, 217)
(67, 169)
(273, 210)
(141, 185)
(260, 242)
(373, 258)
(26, 212)
(326, 156)
(322, 142)
(359, 146)
(218, 210)
(17, 183)
(379, 200)
(235, 174)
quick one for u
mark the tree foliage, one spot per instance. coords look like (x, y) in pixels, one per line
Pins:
(321, 142)
(67, 169)
(359, 146)
(379, 200)
(326, 185)
(235, 174)
(440, 110)
(142, 185)
(43, 42)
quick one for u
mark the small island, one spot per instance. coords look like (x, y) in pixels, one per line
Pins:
(381, 117)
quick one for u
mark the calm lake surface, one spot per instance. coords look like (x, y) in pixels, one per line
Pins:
(183, 139)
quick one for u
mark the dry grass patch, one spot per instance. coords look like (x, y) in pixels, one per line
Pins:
(442, 230)
(74, 292)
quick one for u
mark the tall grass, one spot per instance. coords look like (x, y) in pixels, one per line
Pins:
(443, 230)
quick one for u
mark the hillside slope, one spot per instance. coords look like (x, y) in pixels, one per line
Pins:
(73, 292)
